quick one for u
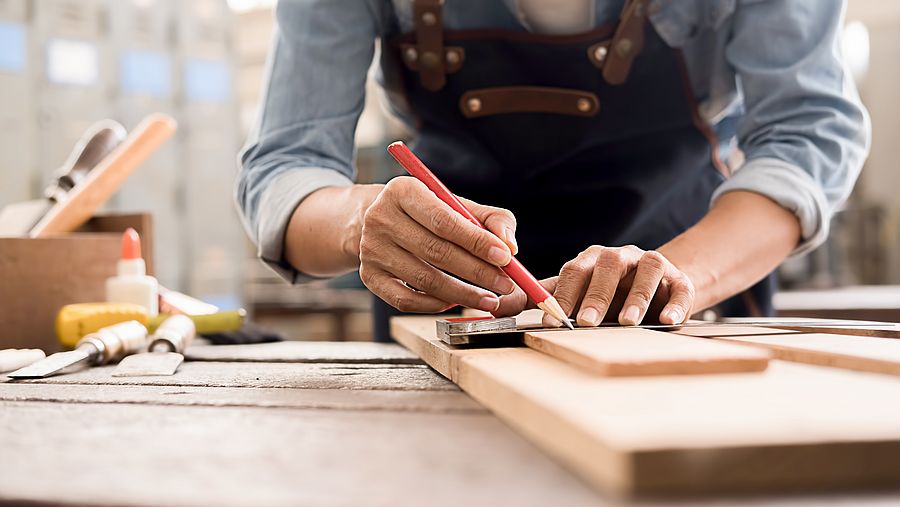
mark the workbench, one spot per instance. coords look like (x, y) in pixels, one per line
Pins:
(288, 423)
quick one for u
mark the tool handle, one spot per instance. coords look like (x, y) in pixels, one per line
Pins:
(417, 169)
(117, 341)
(98, 185)
(13, 359)
(173, 335)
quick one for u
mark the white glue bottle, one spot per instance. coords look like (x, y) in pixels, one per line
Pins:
(132, 285)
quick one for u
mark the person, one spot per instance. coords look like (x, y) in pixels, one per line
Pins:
(647, 158)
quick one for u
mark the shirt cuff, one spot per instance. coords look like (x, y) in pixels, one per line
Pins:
(792, 188)
(279, 200)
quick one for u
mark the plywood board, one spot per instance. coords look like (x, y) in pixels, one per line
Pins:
(861, 353)
(627, 352)
(793, 426)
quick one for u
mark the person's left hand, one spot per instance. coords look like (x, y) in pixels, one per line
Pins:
(622, 283)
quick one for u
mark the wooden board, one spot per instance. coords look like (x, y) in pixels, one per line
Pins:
(792, 427)
(274, 375)
(729, 330)
(155, 455)
(639, 352)
(305, 352)
(861, 353)
(434, 401)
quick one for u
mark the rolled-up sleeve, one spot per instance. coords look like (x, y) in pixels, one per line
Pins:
(805, 133)
(314, 92)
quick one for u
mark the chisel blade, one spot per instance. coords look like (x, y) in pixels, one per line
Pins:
(52, 364)
(149, 364)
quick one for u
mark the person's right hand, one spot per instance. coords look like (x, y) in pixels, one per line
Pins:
(412, 242)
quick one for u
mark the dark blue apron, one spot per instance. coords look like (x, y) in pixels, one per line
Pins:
(602, 128)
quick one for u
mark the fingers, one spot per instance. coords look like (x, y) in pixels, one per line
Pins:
(499, 221)
(450, 257)
(650, 271)
(681, 301)
(607, 273)
(573, 280)
(517, 301)
(398, 295)
(425, 208)
(406, 267)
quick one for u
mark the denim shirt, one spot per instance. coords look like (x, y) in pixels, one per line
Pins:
(768, 75)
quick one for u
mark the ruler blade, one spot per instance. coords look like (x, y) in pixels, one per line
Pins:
(149, 364)
(52, 364)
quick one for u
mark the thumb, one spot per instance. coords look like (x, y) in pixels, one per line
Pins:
(501, 222)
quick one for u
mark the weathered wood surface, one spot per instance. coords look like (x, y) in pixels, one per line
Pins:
(387, 436)
(274, 375)
(792, 426)
(438, 401)
(163, 455)
(642, 352)
(305, 352)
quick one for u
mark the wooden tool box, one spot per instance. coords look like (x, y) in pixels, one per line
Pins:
(822, 415)
(40, 275)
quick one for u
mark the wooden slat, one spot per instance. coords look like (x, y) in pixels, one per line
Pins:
(275, 375)
(861, 353)
(791, 427)
(640, 352)
(723, 330)
(332, 399)
(305, 352)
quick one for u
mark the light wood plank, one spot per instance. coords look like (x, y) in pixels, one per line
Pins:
(791, 427)
(861, 353)
(639, 352)
(729, 330)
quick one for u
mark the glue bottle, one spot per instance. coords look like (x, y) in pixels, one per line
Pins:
(132, 285)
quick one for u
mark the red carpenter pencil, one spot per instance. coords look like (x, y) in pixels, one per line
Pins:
(515, 270)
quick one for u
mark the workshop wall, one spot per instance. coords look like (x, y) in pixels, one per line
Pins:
(65, 64)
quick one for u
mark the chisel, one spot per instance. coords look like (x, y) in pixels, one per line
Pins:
(165, 351)
(105, 346)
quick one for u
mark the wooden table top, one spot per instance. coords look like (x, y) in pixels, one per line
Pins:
(289, 423)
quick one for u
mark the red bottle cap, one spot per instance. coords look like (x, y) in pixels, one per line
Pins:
(131, 244)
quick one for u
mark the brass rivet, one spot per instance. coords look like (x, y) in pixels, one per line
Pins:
(411, 54)
(583, 105)
(623, 47)
(600, 53)
(474, 104)
(452, 57)
(429, 60)
(429, 18)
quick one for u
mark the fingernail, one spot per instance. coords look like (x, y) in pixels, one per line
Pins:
(630, 315)
(510, 237)
(589, 317)
(504, 285)
(498, 256)
(488, 303)
(674, 316)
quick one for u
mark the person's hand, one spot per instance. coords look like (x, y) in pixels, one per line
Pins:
(626, 284)
(412, 242)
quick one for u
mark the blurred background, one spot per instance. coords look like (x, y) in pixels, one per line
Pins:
(66, 63)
